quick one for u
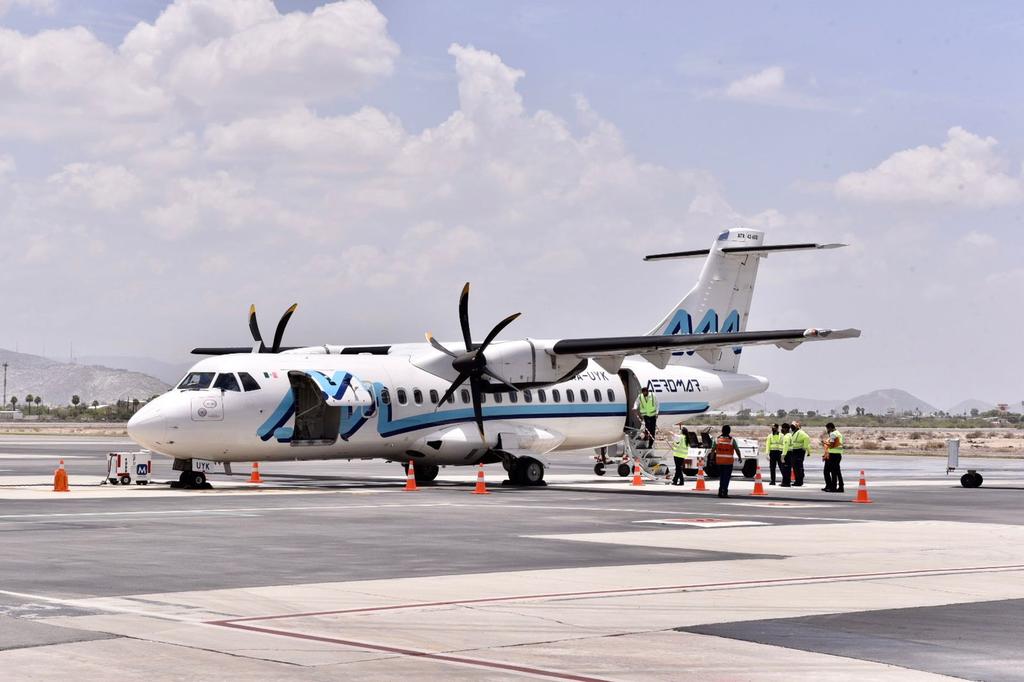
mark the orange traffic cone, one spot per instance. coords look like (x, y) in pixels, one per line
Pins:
(60, 479)
(481, 485)
(862, 491)
(792, 474)
(255, 476)
(701, 488)
(637, 480)
(758, 485)
(410, 477)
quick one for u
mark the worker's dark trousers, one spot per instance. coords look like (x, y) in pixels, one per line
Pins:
(724, 476)
(678, 478)
(797, 462)
(775, 460)
(834, 472)
(651, 424)
(786, 469)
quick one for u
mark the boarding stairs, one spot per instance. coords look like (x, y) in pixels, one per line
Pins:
(654, 464)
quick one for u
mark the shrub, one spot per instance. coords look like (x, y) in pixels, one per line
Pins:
(916, 435)
(934, 445)
(975, 435)
(869, 445)
(889, 447)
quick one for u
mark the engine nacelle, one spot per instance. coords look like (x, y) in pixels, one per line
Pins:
(522, 362)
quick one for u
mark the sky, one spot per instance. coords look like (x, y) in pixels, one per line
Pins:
(164, 165)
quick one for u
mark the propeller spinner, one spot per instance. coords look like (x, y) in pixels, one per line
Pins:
(472, 364)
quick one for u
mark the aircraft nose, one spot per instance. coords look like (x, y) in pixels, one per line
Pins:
(148, 426)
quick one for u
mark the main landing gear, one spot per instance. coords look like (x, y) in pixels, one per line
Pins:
(524, 471)
(424, 472)
(192, 480)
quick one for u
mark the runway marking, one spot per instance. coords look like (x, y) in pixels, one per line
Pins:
(416, 653)
(217, 511)
(766, 582)
(53, 457)
(703, 522)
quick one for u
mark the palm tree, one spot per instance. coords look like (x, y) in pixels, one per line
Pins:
(75, 400)
(38, 400)
(28, 402)
(14, 402)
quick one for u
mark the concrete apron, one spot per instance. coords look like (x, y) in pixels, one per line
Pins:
(586, 623)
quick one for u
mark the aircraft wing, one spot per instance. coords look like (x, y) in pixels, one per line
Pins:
(609, 351)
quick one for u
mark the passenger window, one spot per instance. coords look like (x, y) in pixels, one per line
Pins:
(483, 398)
(569, 396)
(465, 396)
(195, 381)
(611, 396)
(542, 396)
(597, 395)
(451, 399)
(583, 395)
(497, 397)
(248, 383)
(513, 397)
(417, 396)
(385, 396)
(403, 398)
(556, 397)
(433, 397)
(527, 396)
(226, 382)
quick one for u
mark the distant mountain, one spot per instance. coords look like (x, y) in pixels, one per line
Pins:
(168, 372)
(965, 406)
(876, 402)
(57, 381)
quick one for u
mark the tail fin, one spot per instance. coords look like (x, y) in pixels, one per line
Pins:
(720, 301)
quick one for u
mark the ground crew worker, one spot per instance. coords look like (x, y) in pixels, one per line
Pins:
(647, 406)
(786, 466)
(833, 459)
(801, 447)
(680, 451)
(725, 451)
(773, 445)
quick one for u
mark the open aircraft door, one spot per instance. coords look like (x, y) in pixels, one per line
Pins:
(323, 402)
(632, 386)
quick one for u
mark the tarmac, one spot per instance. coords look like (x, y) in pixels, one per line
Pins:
(331, 570)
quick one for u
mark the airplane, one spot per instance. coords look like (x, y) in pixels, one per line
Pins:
(463, 403)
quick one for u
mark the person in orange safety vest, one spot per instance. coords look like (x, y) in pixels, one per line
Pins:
(726, 453)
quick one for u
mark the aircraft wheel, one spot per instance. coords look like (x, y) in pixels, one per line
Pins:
(599, 469)
(531, 471)
(971, 480)
(624, 469)
(977, 480)
(425, 473)
(750, 468)
(192, 479)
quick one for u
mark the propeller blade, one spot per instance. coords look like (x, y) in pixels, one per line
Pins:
(437, 344)
(461, 379)
(279, 334)
(497, 330)
(467, 336)
(478, 410)
(491, 374)
(254, 328)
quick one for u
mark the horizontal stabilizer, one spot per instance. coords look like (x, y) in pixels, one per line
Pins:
(742, 251)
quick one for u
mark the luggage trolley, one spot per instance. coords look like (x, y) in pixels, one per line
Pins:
(124, 467)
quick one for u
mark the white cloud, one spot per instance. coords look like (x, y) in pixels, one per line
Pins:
(764, 84)
(977, 239)
(965, 170)
(105, 187)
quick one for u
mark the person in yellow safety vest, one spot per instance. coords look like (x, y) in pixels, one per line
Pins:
(833, 458)
(786, 468)
(800, 448)
(680, 451)
(773, 446)
(647, 406)
(726, 452)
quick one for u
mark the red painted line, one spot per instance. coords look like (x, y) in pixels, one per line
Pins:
(479, 663)
(230, 622)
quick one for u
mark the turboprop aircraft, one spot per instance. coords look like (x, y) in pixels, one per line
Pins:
(461, 403)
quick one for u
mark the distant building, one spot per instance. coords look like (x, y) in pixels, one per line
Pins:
(10, 415)
(1003, 407)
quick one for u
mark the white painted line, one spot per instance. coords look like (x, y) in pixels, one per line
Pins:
(54, 457)
(787, 505)
(186, 512)
(702, 522)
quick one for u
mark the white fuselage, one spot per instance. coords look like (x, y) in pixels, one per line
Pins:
(394, 416)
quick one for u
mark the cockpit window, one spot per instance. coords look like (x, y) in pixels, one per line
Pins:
(226, 382)
(195, 381)
(248, 383)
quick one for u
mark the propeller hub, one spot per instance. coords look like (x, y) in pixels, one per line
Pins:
(473, 362)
